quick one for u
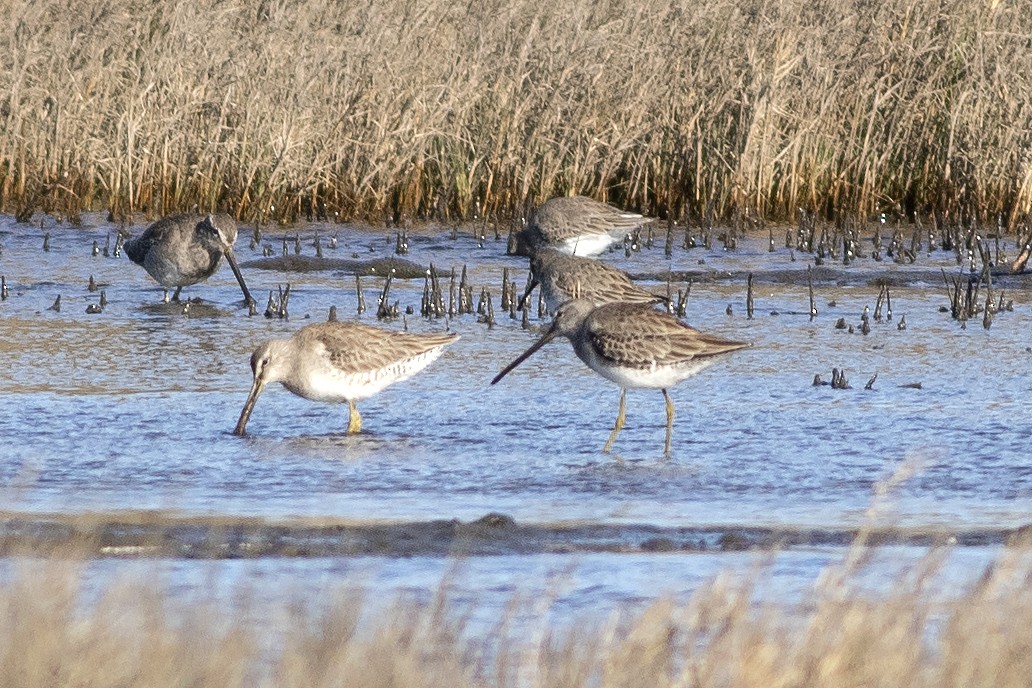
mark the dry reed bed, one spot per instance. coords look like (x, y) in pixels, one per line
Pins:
(462, 110)
(59, 631)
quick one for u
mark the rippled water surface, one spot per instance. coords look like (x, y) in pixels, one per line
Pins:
(130, 410)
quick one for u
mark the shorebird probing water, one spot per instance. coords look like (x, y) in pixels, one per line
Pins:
(634, 345)
(340, 362)
(181, 250)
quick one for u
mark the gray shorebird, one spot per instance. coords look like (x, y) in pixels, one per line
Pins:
(577, 225)
(564, 277)
(633, 345)
(181, 250)
(340, 362)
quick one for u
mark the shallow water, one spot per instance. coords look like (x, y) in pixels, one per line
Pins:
(131, 410)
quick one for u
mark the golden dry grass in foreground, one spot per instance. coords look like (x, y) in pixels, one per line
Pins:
(444, 110)
(837, 635)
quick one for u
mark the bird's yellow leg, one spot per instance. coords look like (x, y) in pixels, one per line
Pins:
(669, 422)
(354, 418)
(619, 421)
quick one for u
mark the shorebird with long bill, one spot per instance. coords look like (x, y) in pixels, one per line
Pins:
(182, 250)
(635, 346)
(340, 362)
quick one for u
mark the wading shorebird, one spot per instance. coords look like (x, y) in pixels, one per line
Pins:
(634, 345)
(576, 225)
(340, 362)
(564, 277)
(181, 250)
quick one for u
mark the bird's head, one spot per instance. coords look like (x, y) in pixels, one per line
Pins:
(568, 320)
(269, 363)
(219, 229)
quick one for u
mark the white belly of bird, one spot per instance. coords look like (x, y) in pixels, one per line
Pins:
(586, 244)
(652, 376)
(334, 385)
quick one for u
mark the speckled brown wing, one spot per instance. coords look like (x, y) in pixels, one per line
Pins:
(355, 348)
(638, 336)
(564, 217)
(565, 277)
(611, 217)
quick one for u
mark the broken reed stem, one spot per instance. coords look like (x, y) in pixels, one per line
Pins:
(485, 309)
(384, 310)
(424, 306)
(972, 297)
(277, 306)
(682, 300)
(512, 242)
(749, 299)
(465, 294)
(284, 299)
(950, 293)
(452, 289)
(437, 296)
(813, 300)
(433, 300)
(510, 298)
(505, 302)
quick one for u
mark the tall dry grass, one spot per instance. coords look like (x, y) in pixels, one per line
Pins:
(61, 630)
(455, 110)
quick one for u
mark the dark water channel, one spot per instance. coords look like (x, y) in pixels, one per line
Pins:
(123, 418)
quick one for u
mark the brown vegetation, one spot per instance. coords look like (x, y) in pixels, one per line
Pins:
(64, 628)
(460, 110)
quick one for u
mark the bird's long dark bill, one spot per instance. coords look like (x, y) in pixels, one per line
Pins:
(231, 259)
(256, 389)
(545, 339)
(526, 295)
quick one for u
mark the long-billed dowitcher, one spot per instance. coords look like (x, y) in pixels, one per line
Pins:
(634, 345)
(340, 362)
(181, 250)
(564, 277)
(576, 225)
